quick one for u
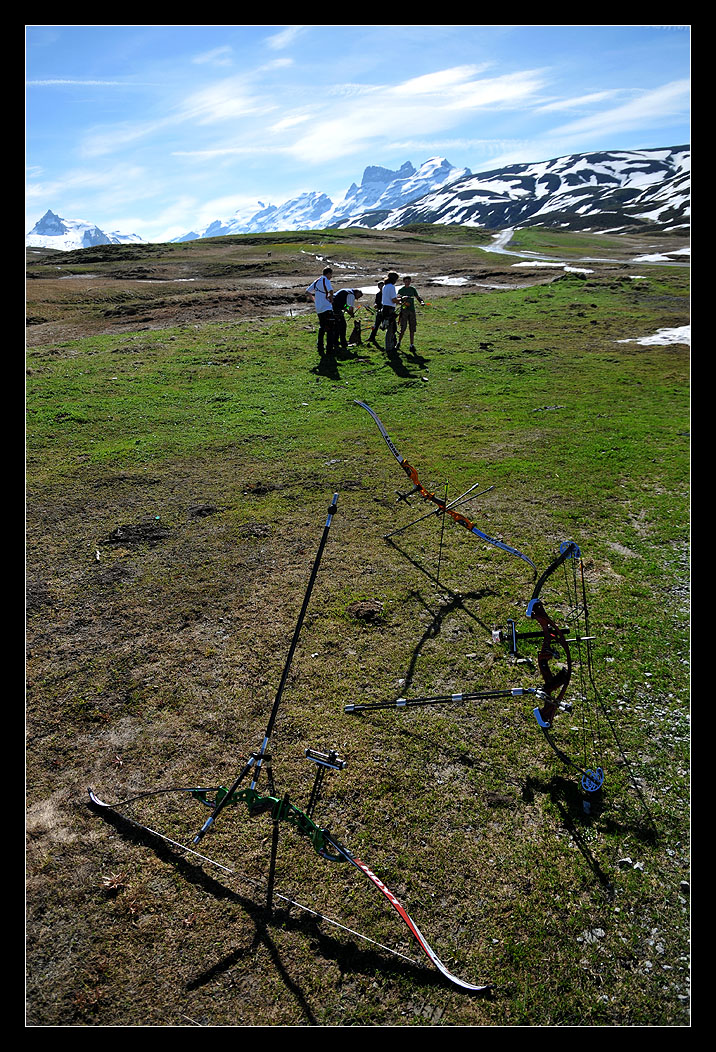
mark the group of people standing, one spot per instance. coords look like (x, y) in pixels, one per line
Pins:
(332, 307)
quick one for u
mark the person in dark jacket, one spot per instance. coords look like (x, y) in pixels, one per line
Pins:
(343, 303)
(378, 311)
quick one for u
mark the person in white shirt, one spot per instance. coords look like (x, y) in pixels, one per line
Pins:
(322, 291)
(390, 301)
(390, 293)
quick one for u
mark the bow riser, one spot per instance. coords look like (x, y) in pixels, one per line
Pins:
(555, 647)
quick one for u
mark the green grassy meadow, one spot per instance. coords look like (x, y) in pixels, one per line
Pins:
(178, 476)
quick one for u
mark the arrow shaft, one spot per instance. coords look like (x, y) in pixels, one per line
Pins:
(443, 506)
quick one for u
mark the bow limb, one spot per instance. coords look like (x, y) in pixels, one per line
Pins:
(567, 550)
(389, 442)
(98, 802)
(442, 505)
(498, 544)
(301, 823)
(403, 913)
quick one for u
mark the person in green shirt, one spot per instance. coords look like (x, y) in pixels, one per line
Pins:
(408, 294)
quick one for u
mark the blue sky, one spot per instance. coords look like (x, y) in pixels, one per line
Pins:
(157, 130)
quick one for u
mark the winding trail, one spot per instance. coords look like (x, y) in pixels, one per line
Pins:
(504, 237)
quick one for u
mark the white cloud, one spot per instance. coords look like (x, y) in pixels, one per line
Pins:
(243, 149)
(441, 81)
(290, 122)
(243, 205)
(218, 56)
(496, 91)
(63, 83)
(433, 103)
(99, 141)
(224, 100)
(331, 139)
(577, 102)
(367, 116)
(87, 180)
(348, 90)
(173, 220)
(649, 109)
(275, 63)
(285, 38)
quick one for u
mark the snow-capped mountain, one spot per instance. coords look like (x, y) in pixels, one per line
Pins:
(66, 234)
(380, 188)
(598, 190)
(300, 213)
(620, 189)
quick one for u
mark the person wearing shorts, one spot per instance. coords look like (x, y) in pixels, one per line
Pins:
(408, 294)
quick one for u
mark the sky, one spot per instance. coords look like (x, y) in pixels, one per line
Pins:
(159, 130)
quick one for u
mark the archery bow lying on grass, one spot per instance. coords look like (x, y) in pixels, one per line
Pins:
(443, 507)
(556, 665)
(280, 808)
(324, 843)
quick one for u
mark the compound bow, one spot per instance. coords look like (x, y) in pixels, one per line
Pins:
(556, 666)
(443, 507)
(555, 648)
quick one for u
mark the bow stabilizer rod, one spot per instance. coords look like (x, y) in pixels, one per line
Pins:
(256, 759)
(445, 699)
